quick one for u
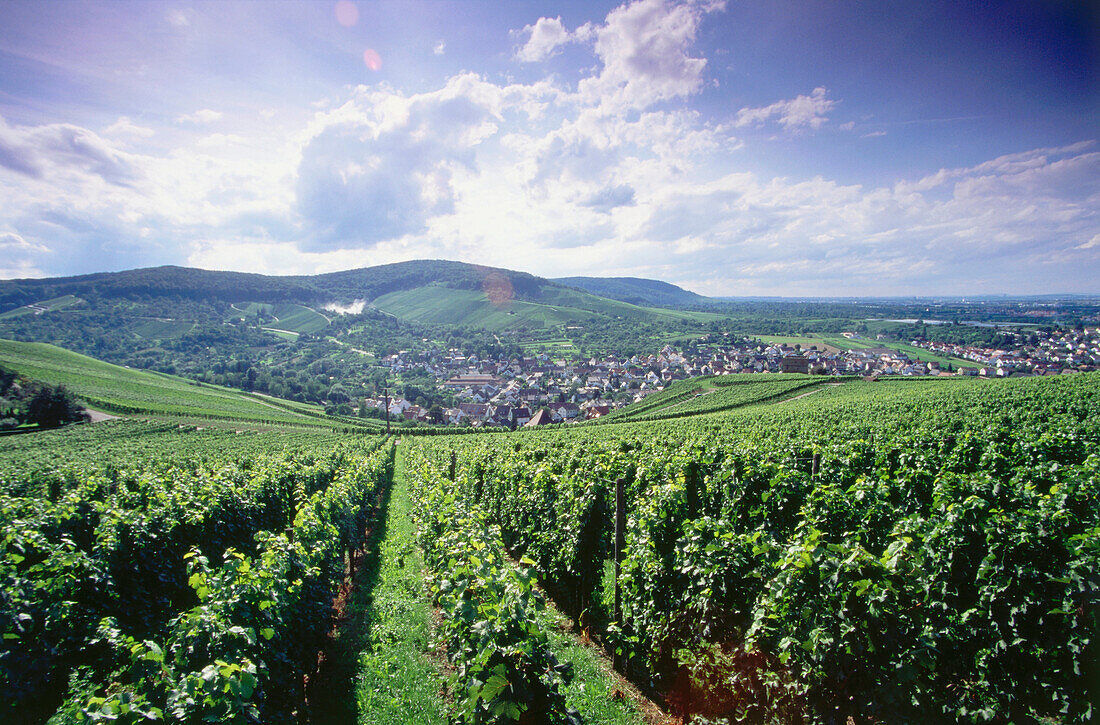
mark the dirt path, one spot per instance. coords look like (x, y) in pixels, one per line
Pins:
(818, 389)
(98, 416)
(353, 349)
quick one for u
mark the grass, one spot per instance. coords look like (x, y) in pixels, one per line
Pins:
(398, 681)
(163, 329)
(839, 343)
(711, 394)
(805, 341)
(122, 390)
(553, 347)
(437, 305)
(286, 317)
(35, 308)
(298, 318)
(283, 334)
(592, 691)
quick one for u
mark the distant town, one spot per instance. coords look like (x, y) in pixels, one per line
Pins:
(544, 388)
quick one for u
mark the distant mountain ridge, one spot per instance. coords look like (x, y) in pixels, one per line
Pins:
(437, 292)
(364, 283)
(636, 291)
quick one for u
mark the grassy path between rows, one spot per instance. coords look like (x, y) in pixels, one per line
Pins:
(398, 680)
(389, 622)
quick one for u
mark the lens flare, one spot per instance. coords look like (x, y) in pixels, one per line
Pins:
(372, 59)
(498, 289)
(347, 14)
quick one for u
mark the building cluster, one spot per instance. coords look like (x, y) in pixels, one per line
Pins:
(1034, 353)
(541, 389)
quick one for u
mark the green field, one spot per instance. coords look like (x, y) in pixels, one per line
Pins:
(866, 553)
(808, 341)
(836, 343)
(116, 389)
(436, 305)
(283, 334)
(818, 533)
(285, 317)
(551, 347)
(713, 394)
(35, 308)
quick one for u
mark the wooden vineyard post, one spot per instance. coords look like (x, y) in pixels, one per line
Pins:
(620, 542)
(386, 393)
(453, 462)
(816, 465)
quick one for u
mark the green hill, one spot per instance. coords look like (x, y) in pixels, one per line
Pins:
(285, 316)
(117, 389)
(199, 284)
(428, 291)
(439, 305)
(647, 292)
(37, 308)
(712, 394)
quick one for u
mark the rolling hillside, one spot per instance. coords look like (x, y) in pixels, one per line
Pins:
(712, 394)
(121, 390)
(647, 292)
(235, 287)
(438, 305)
(426, 291)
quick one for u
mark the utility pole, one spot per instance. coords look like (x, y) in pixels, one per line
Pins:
(386, 393)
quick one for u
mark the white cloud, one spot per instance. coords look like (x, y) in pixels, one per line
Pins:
(203, 116)
(645, 50)
(1090, 244)
(616, 174)
(178, 19)
(125, 127)
(439, 48)
(61, 150)
(17, 256)
(11, 243)
(1007, 224)
(796, 114)
(380, 166)
(545, 37)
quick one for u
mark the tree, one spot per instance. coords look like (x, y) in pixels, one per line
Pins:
(338, 394)
(52, 406)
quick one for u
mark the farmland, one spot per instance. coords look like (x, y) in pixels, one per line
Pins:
(839, 343)
(116, 389)
(697, 396)
(900, 551)
(37, 308)
(856, 553)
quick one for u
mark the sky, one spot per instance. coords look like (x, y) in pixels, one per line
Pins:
(763, 147)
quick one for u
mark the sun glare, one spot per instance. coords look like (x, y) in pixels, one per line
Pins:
(372, 59)
(347, 14)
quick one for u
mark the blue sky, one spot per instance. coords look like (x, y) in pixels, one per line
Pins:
(789, 147)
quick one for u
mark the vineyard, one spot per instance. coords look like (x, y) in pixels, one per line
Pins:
(715, 394)
(120, 390)
(885, 553)
(199, 589)
(871, 553)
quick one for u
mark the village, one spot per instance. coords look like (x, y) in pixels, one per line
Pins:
(544, 389)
